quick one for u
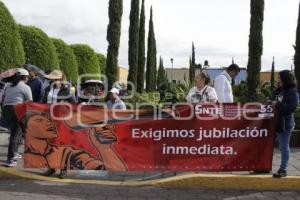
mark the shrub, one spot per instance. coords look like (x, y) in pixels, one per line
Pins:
(11, 48)
(38, 47)
(102, 62)
(171, 92)
(67, 60)
(87, 60)
(240, 92)
(149, 99)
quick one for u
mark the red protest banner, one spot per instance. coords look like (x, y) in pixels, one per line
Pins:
(229, 137)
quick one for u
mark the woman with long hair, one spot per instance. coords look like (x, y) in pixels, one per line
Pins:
(17, 92)
(202, 92)
(286, 105)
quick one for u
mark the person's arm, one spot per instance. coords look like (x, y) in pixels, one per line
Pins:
(188, 96)
(110, 158)
(42, 92)
(228, 96)
(212, 96)
(289, 104)
(122, 106)
(219, 86)
(3, 95)
(84, 161)
(27, 93)
(45, 98)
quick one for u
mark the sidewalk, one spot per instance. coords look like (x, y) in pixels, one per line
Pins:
(172, 179)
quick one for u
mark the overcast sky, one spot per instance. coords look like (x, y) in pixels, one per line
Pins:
(219, 28)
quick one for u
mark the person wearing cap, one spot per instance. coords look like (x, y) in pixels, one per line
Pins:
(57, 91)
(16, 92)
(222, 84)
(36, 85)
(114, 101)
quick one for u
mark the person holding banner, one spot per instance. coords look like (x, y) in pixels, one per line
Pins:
(202, 92)
(286, 105)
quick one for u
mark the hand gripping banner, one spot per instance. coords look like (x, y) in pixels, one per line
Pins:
(203, 137)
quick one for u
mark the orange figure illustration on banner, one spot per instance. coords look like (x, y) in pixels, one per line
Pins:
(40, 130)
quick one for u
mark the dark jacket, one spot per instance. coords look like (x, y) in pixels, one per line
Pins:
(37, 89)
(286, 106)
(64, 94)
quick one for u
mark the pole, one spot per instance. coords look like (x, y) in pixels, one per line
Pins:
(172, 60)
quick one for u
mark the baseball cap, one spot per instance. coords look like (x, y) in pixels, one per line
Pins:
(23, 72)
(114, 90)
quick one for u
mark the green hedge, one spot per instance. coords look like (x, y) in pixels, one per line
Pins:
(87, 60)
(144, 100)
(67, 60)
(102, 62)
(38, 47)
(11, 48)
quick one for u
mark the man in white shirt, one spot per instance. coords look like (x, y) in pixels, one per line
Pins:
(223, 83)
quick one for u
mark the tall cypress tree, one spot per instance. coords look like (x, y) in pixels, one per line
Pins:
(161, 74)
(273, 76)
(141, 57)
(255, 48)
(151, 57)
(297, 53)
(133, 43)
(192, 65)
(115, 12)
(162, 79)
(154, 58)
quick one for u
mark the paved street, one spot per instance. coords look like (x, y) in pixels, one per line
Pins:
(30, 190)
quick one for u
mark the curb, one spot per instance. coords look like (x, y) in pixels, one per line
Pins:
(14, 173)
(204, 181)
(236, 182)
(4, 138)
